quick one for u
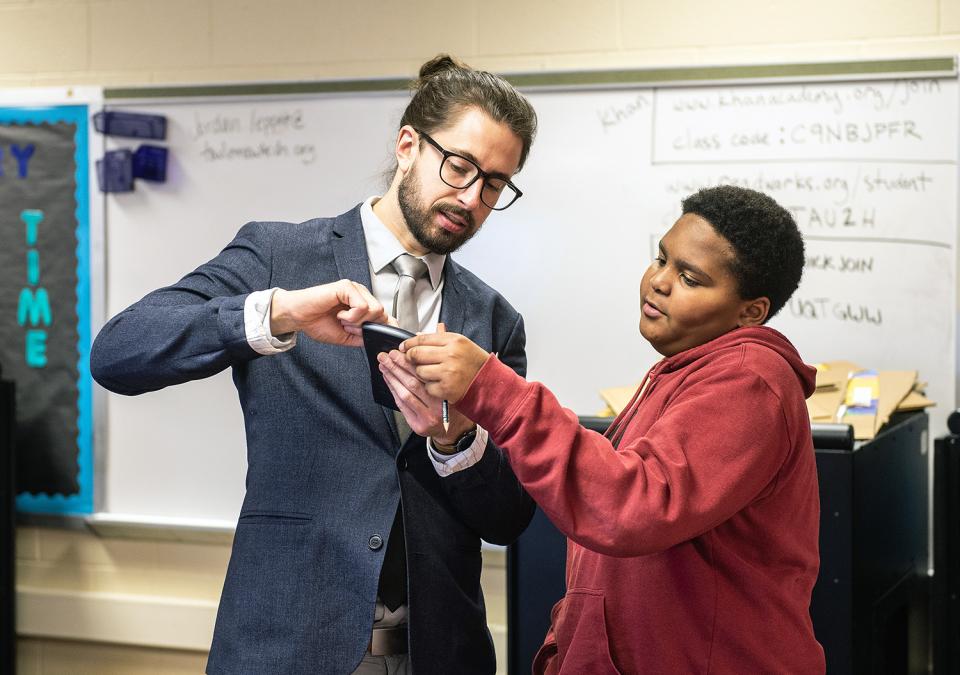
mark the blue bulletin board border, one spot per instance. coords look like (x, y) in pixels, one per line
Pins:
(82, 501)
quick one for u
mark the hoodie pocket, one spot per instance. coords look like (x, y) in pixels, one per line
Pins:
(581, 632)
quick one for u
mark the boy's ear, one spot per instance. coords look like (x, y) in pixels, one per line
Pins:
(754, 312)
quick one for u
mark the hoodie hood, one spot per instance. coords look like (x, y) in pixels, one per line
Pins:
(758, 335)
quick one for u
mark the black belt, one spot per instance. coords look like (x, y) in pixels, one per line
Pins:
(388, 641)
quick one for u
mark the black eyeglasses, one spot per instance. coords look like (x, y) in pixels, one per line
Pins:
(459, 172)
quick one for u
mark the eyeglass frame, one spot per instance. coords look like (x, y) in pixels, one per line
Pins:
(480, 173)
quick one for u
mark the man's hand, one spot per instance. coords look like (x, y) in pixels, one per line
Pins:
(421, 410)
(445, 362)
(331, 313)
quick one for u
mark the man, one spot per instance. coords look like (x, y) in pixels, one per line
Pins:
(329, 468)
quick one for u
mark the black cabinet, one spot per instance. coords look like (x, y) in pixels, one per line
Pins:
(870, 606)
(946, 554)
(8, 637)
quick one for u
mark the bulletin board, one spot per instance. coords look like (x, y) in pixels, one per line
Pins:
(45, 310)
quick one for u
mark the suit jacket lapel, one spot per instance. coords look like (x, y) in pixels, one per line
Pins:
(452, 311)
(350, 254)
(349, 248)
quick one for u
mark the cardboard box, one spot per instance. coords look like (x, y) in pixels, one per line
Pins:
(896, 390)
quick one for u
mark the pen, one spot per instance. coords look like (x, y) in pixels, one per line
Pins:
(445, 408)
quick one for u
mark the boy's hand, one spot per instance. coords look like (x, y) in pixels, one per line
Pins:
(446, 362)
(331, 313)
(419, 408)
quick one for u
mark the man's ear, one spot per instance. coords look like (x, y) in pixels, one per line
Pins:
(754, 312)
(408, 143)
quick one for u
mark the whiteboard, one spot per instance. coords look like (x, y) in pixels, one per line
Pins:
(869, 169)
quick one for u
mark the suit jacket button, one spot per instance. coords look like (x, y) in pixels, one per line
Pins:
(402, 464)
(376, 541)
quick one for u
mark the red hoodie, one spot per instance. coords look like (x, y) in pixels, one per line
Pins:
(692, 542)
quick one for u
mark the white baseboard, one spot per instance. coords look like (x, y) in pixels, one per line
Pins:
(154, 621)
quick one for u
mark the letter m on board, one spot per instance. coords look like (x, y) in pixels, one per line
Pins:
(37, 307)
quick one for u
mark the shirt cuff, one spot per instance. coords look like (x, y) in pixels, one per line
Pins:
(256, 321)
(446, 465)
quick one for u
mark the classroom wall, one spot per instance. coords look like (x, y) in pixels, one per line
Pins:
(94, 606)
(113, 42)
(88, 605)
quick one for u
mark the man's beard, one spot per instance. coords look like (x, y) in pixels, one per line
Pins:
(419, 219)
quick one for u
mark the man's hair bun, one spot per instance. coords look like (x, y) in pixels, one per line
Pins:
(439, 64)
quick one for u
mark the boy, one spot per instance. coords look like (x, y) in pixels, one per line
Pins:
(692, 524)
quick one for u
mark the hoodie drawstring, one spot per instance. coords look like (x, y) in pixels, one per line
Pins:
(617, 428)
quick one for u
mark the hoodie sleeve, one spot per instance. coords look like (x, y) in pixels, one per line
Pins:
(717, 446)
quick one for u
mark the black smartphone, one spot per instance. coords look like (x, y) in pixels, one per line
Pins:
(379, 337)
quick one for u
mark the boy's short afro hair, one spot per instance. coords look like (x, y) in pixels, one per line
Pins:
(767, 244)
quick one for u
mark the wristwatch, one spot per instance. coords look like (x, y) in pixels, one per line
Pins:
(462, 443)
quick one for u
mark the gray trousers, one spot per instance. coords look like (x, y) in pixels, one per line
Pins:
(384, 665)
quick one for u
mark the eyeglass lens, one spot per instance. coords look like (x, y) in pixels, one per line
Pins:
(458, 172)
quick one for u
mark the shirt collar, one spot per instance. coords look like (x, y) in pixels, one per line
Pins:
(383, 247)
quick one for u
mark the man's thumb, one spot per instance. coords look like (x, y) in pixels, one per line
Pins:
(441, 328)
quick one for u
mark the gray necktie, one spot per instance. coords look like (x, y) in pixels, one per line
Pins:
(392, 588)
(405, 310)
(404, 300)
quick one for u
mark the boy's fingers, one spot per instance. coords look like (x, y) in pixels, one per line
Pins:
(425, 340)
(436, 390)
(425, 355)
(430, 374)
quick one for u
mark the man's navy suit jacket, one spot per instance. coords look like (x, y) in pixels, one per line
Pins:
(325, 470)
